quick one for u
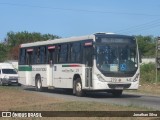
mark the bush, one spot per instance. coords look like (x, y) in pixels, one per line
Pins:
(148, 73)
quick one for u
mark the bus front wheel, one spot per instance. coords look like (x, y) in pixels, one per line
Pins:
(78, 87)
(38, 84)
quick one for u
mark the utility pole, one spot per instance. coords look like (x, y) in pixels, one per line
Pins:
(157, 57)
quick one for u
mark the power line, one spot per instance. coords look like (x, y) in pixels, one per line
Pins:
(78, 10)
(145, 26)
(144, 29)
(141, 25)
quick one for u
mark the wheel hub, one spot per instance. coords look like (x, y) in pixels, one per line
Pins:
(78, 87)
(39, 84)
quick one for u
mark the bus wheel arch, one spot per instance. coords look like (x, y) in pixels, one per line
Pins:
(38, 82)
(77, 85)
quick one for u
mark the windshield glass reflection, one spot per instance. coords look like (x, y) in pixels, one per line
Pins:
(116, 57)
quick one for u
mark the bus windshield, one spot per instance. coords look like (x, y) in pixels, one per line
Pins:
(117, 57)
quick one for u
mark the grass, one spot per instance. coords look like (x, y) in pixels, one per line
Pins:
(150, 89)
(148, 79)
(148, 73)
(147, 89)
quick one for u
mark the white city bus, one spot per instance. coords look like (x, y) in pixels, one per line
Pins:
(98, 62)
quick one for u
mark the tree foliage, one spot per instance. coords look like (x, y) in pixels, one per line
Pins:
(9, 49)
(148, 73)
(3, 52)
(14, 39)
(146, 45)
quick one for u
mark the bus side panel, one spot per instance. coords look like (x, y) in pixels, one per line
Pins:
(59, 80)
(64, 73)
(42, 71)
(50, 76)
(22, 77)
(83, 80)
(25, 75)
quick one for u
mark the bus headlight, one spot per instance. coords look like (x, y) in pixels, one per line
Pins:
(100, 78)
(136, 78)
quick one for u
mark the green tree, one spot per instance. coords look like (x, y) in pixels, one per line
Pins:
(146, 45)
(14, 39)
(3, 52)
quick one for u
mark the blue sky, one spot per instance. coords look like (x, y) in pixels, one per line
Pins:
(68, 18)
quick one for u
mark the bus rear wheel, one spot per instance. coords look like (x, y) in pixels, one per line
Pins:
(78, 88)
(38, 84)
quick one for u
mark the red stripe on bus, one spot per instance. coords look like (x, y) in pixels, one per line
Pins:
(73, 65)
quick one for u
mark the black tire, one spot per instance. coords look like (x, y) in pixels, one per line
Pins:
(78, 88)
(19, 84)
(1, 83)
(38, 84)
(117, 93)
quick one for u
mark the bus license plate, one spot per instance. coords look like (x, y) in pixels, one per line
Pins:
(119, 88)
(14, 81)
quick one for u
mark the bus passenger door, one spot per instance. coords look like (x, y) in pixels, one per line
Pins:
(88, 61)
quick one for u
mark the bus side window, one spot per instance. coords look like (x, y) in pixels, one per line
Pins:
(22, 56)
(34, 56)
(72, 53)
(78, 52)
(42, 54)
(69, 52)
(29, 58)
(51, 56)
(37, 55)
(75, 52)
(63, 54)
(58, 53)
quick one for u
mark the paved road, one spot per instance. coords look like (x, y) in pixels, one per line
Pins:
(126, 99)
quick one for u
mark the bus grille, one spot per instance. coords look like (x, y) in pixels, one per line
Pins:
(114, 86)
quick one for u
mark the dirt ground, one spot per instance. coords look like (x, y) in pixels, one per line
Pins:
(15, 99)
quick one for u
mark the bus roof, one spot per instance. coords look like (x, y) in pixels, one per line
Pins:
(70, 39)
(55, 41)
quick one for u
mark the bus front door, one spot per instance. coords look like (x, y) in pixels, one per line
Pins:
(88, 61)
